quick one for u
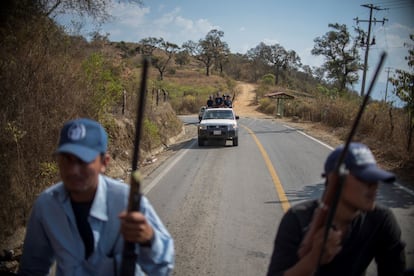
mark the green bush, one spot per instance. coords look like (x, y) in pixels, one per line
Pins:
(268, 79)
(105, 87)
(151, 137)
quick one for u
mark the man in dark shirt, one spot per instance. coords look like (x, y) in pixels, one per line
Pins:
(218, 100)
(227, 101)
(210, 102)
(362, 230)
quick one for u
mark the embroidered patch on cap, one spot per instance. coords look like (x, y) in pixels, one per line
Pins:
(363, 156)
(76, 132)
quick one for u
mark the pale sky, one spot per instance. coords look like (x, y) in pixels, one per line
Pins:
(294, 24)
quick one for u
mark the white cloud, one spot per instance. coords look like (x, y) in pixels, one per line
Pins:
(184, 23)
(173, 27)
(167, 18)
(205, 26)
(128, 15)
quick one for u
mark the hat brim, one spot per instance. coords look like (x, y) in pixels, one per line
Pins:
(373, 174)
(87, 155)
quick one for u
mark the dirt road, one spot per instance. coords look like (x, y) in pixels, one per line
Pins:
(244, 102)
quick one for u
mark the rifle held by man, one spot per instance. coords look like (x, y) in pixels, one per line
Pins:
(128, 255)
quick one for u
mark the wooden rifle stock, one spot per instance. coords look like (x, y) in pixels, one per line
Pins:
(320, 216)
(134, 202)
(325, 213)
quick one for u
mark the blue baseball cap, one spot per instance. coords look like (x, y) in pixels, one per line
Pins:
(84, 138)
(361, 163)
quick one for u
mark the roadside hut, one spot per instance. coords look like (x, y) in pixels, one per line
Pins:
(280, 101)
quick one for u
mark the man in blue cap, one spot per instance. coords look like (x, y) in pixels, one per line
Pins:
(81, 223)
(361, 232)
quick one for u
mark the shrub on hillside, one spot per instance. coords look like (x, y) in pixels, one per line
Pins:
(267, 106)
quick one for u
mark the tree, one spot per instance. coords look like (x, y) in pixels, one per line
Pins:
(342, 58)
(256, 56)
(162, 59)
(237, 66)
(275, 57)
(318, 73)
(197, 51)
(182, 58)
(148, 45)
(210, 50)
(308, 71)
(160, 51)
(104, 86)
(281, 59)
(403, 82)
(95, 9)
(216, 47)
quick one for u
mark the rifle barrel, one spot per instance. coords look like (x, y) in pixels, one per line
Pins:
(134, 202)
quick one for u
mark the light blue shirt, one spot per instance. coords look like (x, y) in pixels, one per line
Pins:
(52, 235)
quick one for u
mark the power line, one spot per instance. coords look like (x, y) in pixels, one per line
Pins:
(396, 4)
(384, 3)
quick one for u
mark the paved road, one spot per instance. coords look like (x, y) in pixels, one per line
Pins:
(222, 205)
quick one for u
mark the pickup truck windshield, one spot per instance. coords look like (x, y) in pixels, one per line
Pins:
(218, 114)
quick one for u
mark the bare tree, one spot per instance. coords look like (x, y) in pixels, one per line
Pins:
(161, 60)
(95, 9)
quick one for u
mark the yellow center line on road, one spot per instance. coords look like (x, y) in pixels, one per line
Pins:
(276, 181)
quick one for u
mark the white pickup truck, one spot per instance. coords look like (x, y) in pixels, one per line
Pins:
(218, 124)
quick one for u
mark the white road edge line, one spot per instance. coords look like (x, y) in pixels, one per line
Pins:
(411, 192)
(154, 182)
(310, 137)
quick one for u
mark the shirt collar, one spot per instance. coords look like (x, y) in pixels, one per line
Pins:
(99, 208)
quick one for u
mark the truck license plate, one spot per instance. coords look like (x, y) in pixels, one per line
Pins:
(217, 132)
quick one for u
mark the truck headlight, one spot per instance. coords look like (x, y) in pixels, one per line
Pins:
(233, 126)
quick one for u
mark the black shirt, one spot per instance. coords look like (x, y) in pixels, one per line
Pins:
(372, 235)
(81, 211)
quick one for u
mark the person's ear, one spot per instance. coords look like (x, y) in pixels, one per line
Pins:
(105, 158)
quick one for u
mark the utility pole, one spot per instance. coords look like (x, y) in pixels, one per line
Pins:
(370, 21)
(388, 70)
